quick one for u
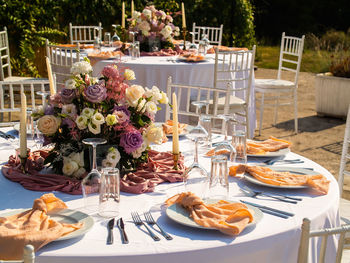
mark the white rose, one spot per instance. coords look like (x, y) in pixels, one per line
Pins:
(164, 99)
(98, 119)
(151, 107)
(177, 31)
(88, 112)
(153, 93)
(147, 13)
(48, 124)
(133, 94)
(129, 74)
(93, 128)
(70, 84)
(82, 67)
(77, 157)
(154, 134)
(111, 119)
(136, 15)
(81, 122)
(166, 31)
(137, 153)
(78, 173)
(69, 167)
(69, 109)
(113, 156)
(141, 106)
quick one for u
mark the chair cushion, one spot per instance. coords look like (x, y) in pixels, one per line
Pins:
(235, 104)
(273, 84)
(17, 78)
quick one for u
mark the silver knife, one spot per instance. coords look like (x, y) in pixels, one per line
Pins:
(120, 224)
(268, 208)
(110, 227)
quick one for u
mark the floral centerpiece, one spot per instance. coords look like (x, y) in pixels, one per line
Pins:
(153, 27)
(107, 107)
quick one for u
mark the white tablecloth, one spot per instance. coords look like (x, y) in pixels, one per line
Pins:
(152, 71)
(272, 240)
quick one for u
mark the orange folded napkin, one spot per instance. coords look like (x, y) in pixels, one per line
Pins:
(168, 127)
(270, 145)
(229, 218)
(81, 46)
(318, 182)
(33, 227)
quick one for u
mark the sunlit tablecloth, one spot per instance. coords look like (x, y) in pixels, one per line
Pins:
(272, 240)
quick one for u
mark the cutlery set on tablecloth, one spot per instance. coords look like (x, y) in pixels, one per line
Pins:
(149, 220)
(120, 225)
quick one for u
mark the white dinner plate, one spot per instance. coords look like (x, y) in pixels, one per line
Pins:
(278, 153)
(253, 180)
(180, 215)
(17, 126)
(184, 133)
(65, 216)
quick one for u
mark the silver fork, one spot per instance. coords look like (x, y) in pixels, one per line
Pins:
(150, 220)
(137, 220)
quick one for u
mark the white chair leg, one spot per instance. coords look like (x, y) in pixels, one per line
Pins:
(295, 111)
(261, 112)
(247, 124)
(277, 104)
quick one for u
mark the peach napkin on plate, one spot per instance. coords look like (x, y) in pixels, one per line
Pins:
(230, 218)
(270, 145)
(317, 182)
(33, 227)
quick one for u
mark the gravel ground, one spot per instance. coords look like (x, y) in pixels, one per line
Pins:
(319, 139)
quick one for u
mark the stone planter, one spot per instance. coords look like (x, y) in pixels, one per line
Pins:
(332, 95)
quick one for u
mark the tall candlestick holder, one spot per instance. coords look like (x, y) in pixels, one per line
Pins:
(23, 163)
(176, 160)
(184, 33)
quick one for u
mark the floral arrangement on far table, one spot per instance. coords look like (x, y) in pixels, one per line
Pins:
(107, 107)
(153, 26)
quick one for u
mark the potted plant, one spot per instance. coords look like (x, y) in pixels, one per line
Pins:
(333, 89)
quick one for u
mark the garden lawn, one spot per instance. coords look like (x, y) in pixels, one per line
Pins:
(312, 61)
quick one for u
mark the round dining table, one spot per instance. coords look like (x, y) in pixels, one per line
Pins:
(272, 239)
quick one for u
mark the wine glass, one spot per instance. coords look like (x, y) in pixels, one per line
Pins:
(226, 118)
(91, 183)
(196, 176)
(44, 95)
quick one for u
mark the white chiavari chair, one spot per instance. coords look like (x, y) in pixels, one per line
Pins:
(234, 71)
(214, 34)
(307, 234)
(10, 93)
(280, 89)
(84, 34)
(61, 60)
(187, 94)
(344, 171)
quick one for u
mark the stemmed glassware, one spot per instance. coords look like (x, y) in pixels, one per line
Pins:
(226, 118)
(91, 183)
(44, 95)
(196, 176)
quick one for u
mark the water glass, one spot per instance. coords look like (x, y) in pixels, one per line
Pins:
(218, 183)
(135, 50)
(109, 193)
(205, 121)
(107, 39)
(30, 124)
(239, 142)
